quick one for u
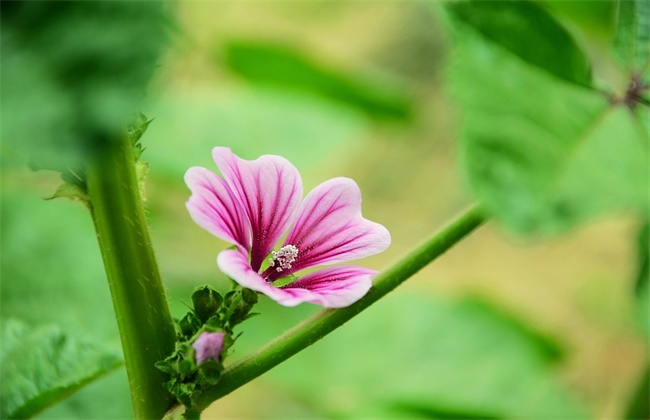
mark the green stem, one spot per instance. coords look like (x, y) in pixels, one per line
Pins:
(191, 414)
(143, 317)
(639, 405)
(313, 329)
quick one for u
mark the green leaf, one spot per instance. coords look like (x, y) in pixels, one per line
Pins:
(597, 18)
(632, 41)
(52, 274)
(542, 154)
(72, 70)
(642, 276)
(135, 130)
(106, 398)
(42, 366)
(285, 67)
(639, 405)
(527, 31)
(419, 356)
(643, 258)
(71, 191)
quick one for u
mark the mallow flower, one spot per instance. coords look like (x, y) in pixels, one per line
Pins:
(208, 346)
(257, 202)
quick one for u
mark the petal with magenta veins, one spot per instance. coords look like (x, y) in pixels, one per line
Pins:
(214, 207)
(335, 287)
(235, 265)
(269, 190)
(330, 229)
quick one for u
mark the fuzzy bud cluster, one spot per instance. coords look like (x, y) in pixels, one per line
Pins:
(204, 336)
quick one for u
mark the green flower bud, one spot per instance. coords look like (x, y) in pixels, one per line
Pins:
(206, 302)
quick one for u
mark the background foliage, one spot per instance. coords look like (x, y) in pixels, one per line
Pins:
(398, 96)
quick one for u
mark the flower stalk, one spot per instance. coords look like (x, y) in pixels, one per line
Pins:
(313, 329)
(143, 317)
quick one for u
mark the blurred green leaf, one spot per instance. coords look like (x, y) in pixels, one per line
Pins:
(642, 276)
(52, 273)
(419, 357)
(546, 347)
(542, 154)
(639, 404)
(632, 41)
(528, 32)
(597, 17)
(304, 129)
(72, 70)
(643, 258)
(40, 367)
(414, 410)
(106, 398)
(283, 66)
(50, 260)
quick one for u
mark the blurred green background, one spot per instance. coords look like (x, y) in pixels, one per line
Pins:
(500, 327)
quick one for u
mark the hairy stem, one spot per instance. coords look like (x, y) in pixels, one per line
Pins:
(143, 317)
(313, 329)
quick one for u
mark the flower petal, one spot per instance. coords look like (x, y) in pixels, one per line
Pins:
(332, 287)
(335, 287)
(208, 346)
(269, 190)
(330, 229)
(235, 265)
(215, 208)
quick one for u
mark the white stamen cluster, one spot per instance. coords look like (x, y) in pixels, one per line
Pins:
(283, 258)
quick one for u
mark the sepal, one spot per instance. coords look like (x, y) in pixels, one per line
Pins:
(188, 325)
(206, 302)
(210, 371)
(240, 302)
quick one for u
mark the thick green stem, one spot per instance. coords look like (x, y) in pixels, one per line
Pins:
(313, 329)
(143, 317)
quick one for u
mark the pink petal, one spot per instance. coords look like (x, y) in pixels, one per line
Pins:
(214, 207)
(235, 265)
(332, 287)
(329, 227)
(208, 346)
(269, 190)
(335, 287)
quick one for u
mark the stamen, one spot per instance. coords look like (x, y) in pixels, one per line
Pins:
(283, 258)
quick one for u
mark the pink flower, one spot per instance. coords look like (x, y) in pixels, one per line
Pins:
(208, 346)
(252, 207)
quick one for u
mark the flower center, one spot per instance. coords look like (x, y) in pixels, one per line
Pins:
(282, 259)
